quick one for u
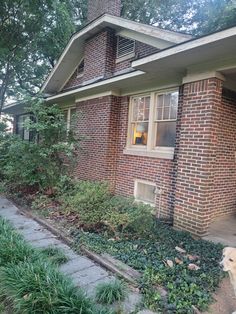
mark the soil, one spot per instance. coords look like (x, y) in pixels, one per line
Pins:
(225, 300)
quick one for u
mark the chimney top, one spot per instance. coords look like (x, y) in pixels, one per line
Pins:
(97, 8)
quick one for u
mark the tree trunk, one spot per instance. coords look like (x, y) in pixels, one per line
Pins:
(3, 87)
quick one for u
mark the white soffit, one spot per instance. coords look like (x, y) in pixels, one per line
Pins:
(208, 49)
(74, 51)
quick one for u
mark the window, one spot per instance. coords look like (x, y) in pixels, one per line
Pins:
(21, 129)
(125, 47)
(152, 124)
(165, 119)
(145, 192)
(80, 69)
(140, 120)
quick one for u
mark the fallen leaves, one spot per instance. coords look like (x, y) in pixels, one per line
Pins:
(180, 250)
(193, 267)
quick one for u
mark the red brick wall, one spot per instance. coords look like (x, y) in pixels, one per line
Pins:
(74, 81)
(100, 58)
(196, 159)
(102, 123)
(199, 184)
(225, 167)
(99, 55)
(141, 50)
(97, 122)
(99, 7)
(129, 168)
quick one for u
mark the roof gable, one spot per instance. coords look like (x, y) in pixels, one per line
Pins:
(73, 52)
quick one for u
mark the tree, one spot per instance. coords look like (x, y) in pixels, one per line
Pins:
(197, 17)
(32, 36)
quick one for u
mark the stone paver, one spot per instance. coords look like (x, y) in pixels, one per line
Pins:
(83, 272)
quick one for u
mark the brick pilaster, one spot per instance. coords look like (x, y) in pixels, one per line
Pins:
(196, 154)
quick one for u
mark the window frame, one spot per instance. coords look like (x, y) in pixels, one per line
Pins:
(68, 117)
(29, 116)
(150, 149)
(125, 56)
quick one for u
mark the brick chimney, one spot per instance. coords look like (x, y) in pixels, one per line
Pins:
(97, 8)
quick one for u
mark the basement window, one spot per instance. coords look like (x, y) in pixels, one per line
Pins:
(145, 192)
(125, 47)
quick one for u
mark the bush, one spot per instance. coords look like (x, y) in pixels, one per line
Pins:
(39, 164)
(87, 199)
(108, 293)
(123, 213)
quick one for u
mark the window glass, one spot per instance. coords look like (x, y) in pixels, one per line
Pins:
(166, 133)
(21, 129)
(140, 120)
(145, 192)
(166, 115)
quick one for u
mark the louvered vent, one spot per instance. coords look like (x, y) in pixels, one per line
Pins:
(125, 46)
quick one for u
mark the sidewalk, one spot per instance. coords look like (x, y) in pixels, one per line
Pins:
(85, 273)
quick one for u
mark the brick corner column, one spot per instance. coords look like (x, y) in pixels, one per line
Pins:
(196, 152)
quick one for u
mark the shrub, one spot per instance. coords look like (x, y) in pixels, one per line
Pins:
(108, 293)
(123, 213)
(38, 164)
(39, 288)
(87, 199)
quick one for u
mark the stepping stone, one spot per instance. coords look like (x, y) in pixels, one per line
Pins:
(43, 243)
(85, 277)
(76, 265)
(37, 235)
(84, 272)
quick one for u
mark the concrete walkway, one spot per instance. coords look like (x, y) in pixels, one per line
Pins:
(223, 230)
(83, 271)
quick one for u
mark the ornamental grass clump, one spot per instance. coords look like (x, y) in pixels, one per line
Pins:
(108, 293)
(55, 255)
(40, 288)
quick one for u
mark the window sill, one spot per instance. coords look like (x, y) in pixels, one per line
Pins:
(164, 154)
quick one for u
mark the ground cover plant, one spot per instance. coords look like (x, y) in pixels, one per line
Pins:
(32, 284)
(188, 269)
(189, 273)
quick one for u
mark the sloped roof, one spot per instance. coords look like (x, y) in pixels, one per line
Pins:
(73, 52)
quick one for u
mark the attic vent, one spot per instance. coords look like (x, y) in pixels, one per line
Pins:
(125, 46)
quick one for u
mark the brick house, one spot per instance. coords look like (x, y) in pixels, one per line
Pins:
(158, 112)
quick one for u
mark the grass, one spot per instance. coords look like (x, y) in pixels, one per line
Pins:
(55, 255)
(39, 288)
(32, 284)
(108, 293)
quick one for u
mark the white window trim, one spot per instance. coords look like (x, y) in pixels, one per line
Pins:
(150, 150)
(68, 120)
(136, 182)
